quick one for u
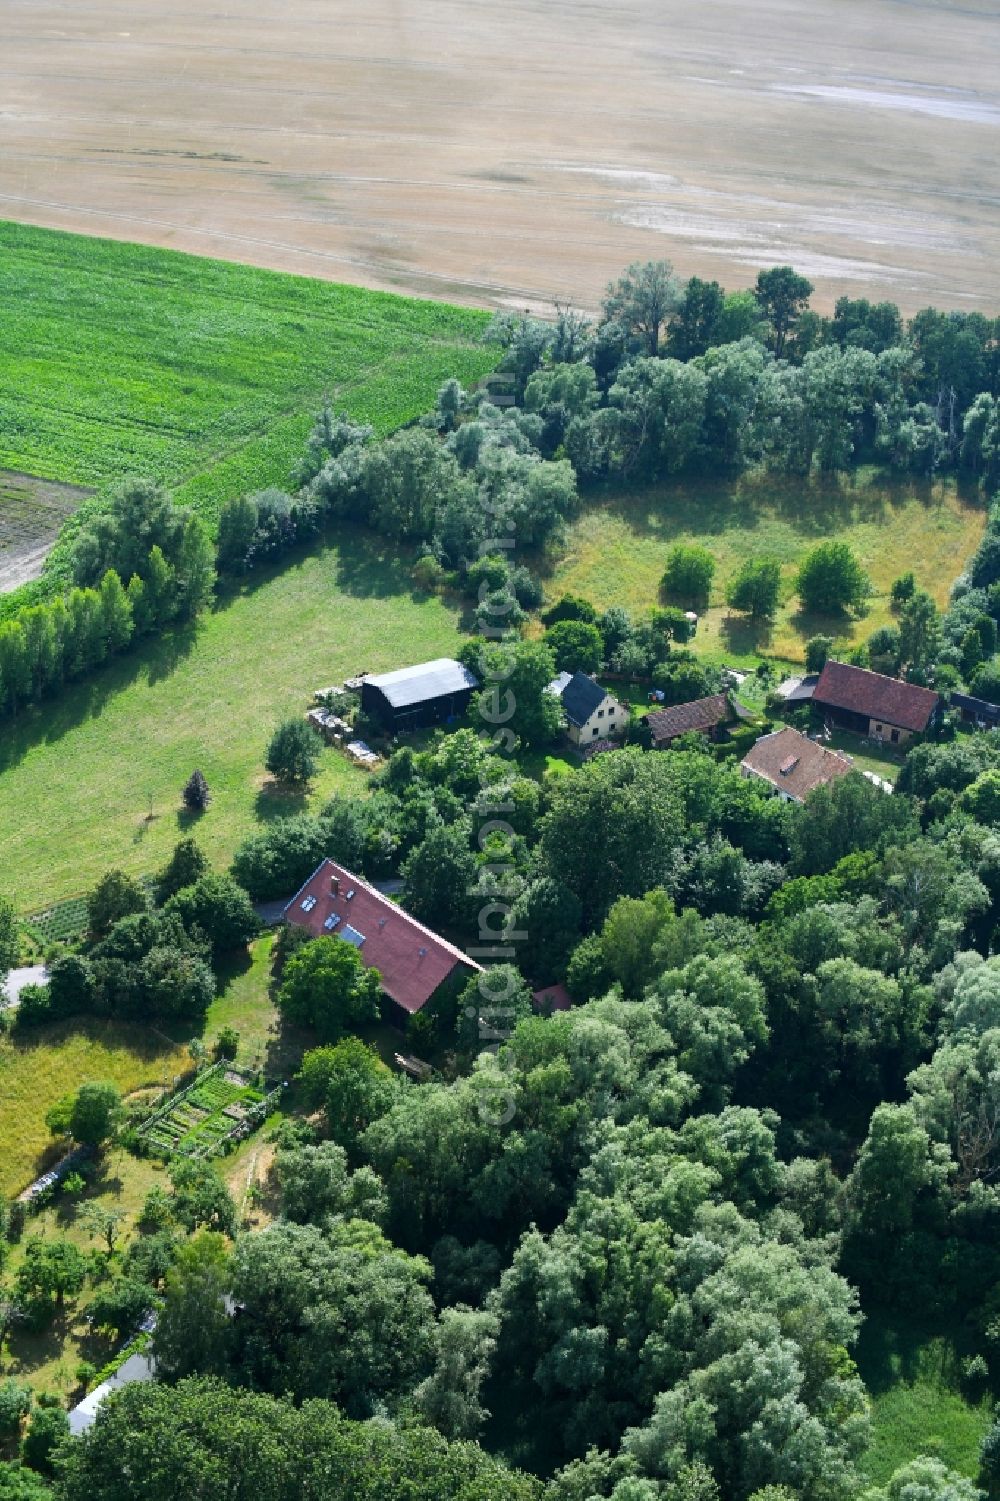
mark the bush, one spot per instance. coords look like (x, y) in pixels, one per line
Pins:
(34, 1008)
(487, 574)
(220, 909)
(902, 589)
(986, 683)
(527, 588)
(818, 649)
(227, 1044)
(293, 754)
(186, 865)
(195, 793)
(682, 681)
(116, 895)
(326, 986)
(688, 574)
(427, 573)
(15, 1404)
(570, 607)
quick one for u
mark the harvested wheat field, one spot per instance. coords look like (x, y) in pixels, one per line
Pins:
(524, 151)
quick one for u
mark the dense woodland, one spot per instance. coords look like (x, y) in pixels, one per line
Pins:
(620, 1252)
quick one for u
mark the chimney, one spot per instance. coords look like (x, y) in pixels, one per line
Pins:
(334, 885)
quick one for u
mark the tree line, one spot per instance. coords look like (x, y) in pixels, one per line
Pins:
(673, 378)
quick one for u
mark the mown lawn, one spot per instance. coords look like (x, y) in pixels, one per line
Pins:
(617, 549)
(918, 1405)
(40, 1067)
(122, 359)
(80, 775)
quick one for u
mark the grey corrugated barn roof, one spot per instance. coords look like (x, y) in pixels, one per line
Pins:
(425, 681)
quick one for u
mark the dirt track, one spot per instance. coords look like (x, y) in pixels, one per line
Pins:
(520, 150)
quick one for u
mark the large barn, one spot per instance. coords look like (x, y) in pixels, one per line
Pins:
(870, 704)
(412, 697)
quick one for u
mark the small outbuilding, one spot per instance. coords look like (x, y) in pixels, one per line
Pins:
(412, 698)
(976, 711)
(702, 716)
(797, 690)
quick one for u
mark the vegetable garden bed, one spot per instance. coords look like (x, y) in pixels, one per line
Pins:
(221, 1105)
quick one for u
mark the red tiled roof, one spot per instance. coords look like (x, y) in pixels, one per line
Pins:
(553, 998)
(793, 763)
(860, 691)
(412, 960)
(699, 714)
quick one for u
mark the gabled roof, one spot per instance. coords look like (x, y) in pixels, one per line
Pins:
(580, 695)
(794, 764)
(861, 691)
(552, 998)
(411, 959)
(427, 680)
(699, 714)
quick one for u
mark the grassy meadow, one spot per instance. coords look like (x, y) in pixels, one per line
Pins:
(122, 359)
(617, 549)
(93, 778)
(40, 1067)
(918, 1405)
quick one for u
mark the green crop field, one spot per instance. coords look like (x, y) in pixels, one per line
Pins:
(120, 359)
(617, 549)
(80, 776)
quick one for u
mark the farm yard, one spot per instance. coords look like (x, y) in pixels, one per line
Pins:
(617, 550)
(120, 359)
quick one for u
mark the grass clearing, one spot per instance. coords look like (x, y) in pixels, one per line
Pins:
(617, 549)
(918, 1406)
(122, 359)
(80, 776)
(39, 1068)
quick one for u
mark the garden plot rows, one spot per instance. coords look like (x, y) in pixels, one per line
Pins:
(197, 1122)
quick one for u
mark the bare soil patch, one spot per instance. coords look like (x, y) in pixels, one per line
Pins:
(31, 513)
(523, 151)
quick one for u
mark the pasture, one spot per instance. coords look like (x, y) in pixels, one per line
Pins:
(119, 359)
(93, 778)
(617, 548)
